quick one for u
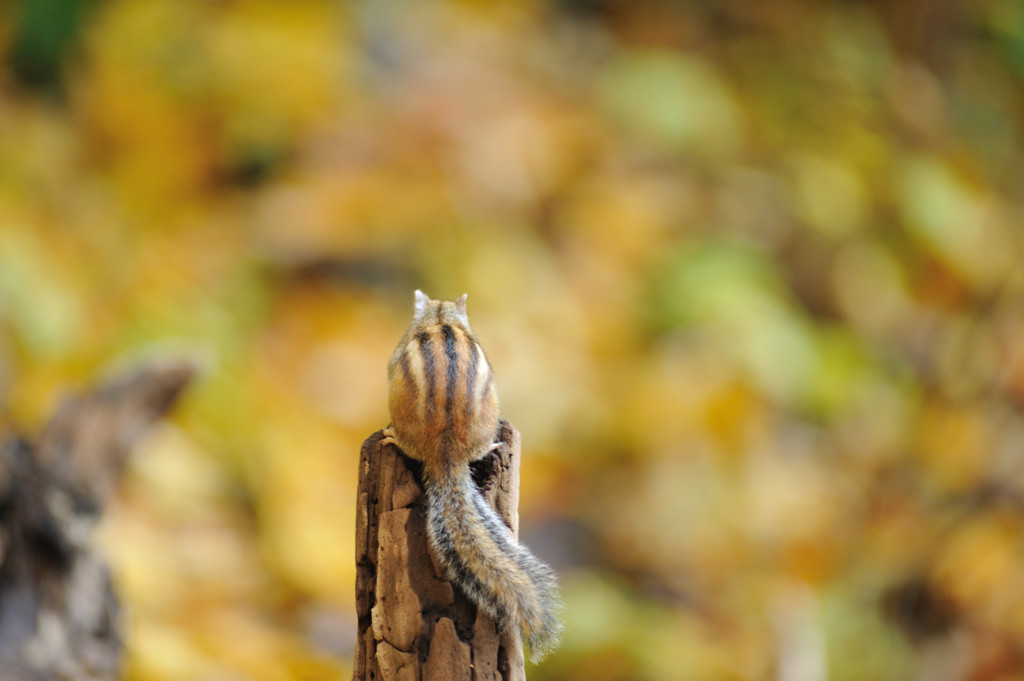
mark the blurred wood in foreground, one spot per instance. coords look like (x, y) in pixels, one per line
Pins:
(58, 612)
(413, 625)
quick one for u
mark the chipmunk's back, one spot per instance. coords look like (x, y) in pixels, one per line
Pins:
(442, 397)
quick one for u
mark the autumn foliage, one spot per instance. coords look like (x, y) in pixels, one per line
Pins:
(750, 276)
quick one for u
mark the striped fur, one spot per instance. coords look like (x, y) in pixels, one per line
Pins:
(442, 396)
(444, 412)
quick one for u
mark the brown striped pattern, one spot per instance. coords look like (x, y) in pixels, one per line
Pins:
(443, 392)
(452, 375)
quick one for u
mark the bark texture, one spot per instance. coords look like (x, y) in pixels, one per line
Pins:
(58, 611)
(413, 624)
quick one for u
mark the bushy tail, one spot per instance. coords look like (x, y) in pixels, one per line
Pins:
(480, 555)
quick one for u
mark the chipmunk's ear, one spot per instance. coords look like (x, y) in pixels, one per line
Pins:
(460, 304)
(421, 304)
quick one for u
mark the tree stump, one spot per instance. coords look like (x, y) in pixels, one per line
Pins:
(58, 612)
(413, 624)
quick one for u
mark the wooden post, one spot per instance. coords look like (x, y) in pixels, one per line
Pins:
(413, 624)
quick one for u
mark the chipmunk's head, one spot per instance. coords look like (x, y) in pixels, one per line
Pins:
(430, 311)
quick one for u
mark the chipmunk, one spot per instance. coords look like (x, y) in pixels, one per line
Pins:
(444, 412)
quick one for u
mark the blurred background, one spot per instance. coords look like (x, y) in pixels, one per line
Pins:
(750, 275)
